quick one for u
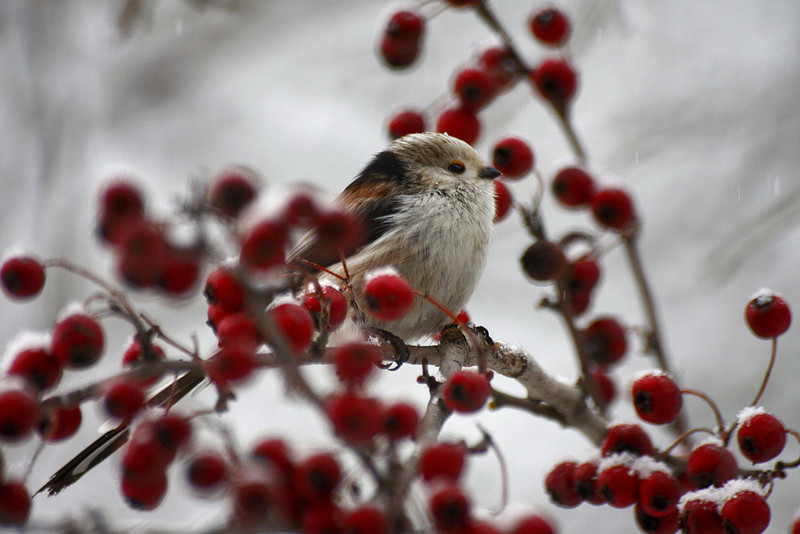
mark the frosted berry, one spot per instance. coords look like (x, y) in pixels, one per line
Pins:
(317, 476)
(399, 420)
(301, 210)
(474, 88)
(461, 123)
(366, 519)
(618, 484)
(406, 122)
(15, 504)
(388, 296)
(533, 524)
(768, 315)
(402, 39)
(613, 209)
(605, 341)
(665, 524)
(264, 246)
(121, 206)
(19, 414)
(23, 277)
(557, 82)
(503, 200)
(206, 470)
(561, 487)
(442, 461)
(232, 190)
(37, 366)
(761, 437)
(627, 438)
(573, 187)
(78, 341)
(450, 509)
(701, 516)
(124, 398)
(710, 465)
(657, 398)
(333, 301)
(513, 157)
(60, 423)
(544, 261)
(355, 419)
(354, 362)
(550, 26)
(466, 391)
(585, 483)
(659, 493)
(747, 512)
(224, 290)
(295, 325)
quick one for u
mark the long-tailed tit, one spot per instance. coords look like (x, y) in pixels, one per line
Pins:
(427, 204)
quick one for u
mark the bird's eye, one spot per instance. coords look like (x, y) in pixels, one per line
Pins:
(456, 167)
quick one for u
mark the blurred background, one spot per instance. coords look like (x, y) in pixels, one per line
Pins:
(693, 106)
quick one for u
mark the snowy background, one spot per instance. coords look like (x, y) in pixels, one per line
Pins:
(695, 106)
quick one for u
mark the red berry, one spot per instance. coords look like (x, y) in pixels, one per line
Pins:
(232, 190)
(400, 420)
(366, 519)
(355, 361)
(172, 431)
(466, 391)
(19, 413)
(533, 524)
(582, 275)
(561, 487)
(577, 301)
(338, 233)
(334, 302)
(557, 83)
(317, 477)
(618, 484)
(252, 501)
(442, 461)
(387, 295)
(502, 200)
(78, 341)
(796, 526)
(544, 261)
(461, 123)
(121, 206)
(513, 157)
(605, 341)
(37, 366)
(665, 524)
(585, 483)
(502, 66)
(710, 465)
(145, 493)
(768, 315)
(747, 512)
(124, 398)
(134, 357)
(659, 493)
(550, 26)
(573, 187)
(206, 470)
(180, 272)
(301, 210)
(355, 419)
(224, 290)
(627, 438)
(264, 246)
(60, 423)
(402, 39)
(605, 385)
(613, 209)
(238, 329)
(15, 504)
(23, 277)
(700, 516)
(761, 436)
(406, 122)
(450, 509)
(275, 453)
(475, 88)
(657, 398)
(294, 324)
(232, 363)
(142, 255)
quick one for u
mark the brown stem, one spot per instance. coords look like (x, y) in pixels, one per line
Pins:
(682, 438)
(771, 364)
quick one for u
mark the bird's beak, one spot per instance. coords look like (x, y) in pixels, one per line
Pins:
(490, 173)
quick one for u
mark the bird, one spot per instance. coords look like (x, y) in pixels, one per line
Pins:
(426, 206)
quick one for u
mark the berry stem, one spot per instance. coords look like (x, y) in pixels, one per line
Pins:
(489, 442)
(771, 364)
(538, 408)
(708, 400)
(681, 438)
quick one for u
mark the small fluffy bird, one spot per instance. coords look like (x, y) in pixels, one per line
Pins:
(427, 206)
